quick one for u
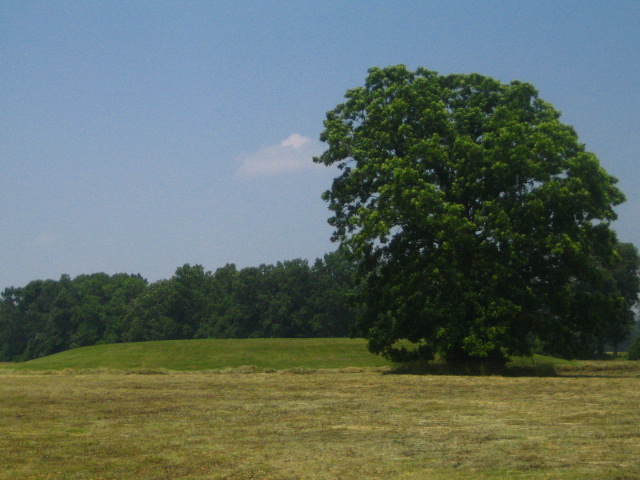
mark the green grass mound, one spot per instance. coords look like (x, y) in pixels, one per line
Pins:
(297, 355)
(213, 354)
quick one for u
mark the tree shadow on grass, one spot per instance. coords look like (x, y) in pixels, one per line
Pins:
(473, 369)
(601, 369)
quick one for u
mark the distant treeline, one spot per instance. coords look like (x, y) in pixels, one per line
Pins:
(288, 299)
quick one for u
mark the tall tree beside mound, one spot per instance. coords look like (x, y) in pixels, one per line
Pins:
(477, 217)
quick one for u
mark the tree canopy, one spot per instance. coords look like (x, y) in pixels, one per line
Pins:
(480, 223)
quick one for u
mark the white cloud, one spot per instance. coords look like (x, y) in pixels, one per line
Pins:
(295, 140)
(292, 154)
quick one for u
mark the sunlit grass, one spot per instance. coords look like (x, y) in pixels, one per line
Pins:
(328, 424)
(211, 354)
(285, 409)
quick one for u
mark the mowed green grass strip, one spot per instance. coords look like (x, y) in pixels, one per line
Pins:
(213, 354)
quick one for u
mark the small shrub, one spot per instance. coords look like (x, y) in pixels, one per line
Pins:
(634, 350)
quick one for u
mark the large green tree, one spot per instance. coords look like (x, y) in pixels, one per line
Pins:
(473, 212)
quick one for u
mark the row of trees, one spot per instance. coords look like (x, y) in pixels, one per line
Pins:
(288, 299)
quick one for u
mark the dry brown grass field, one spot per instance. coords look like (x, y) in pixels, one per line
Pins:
(322, 424)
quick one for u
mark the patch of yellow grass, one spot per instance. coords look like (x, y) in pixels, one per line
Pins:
(349, 424)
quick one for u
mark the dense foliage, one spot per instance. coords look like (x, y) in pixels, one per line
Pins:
(622, 277)
(479, 221)
(289, 299)
(634, 350)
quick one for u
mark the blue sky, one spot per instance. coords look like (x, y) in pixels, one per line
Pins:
(139, 136)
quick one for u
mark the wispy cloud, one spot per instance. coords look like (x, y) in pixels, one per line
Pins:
(294, 153)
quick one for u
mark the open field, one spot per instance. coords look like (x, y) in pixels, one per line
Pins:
(327, 424)
(309, 409)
